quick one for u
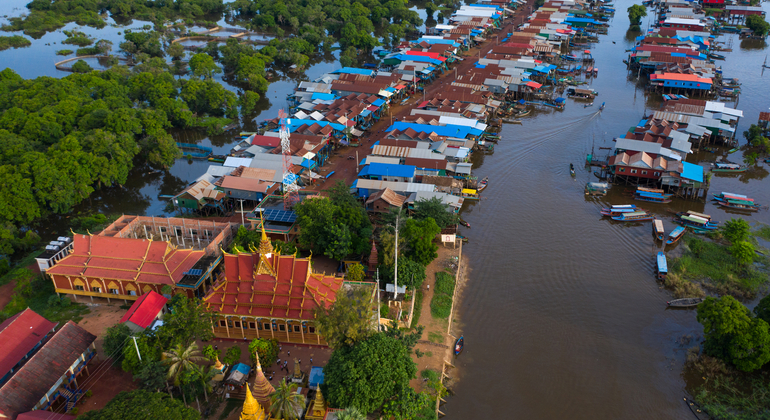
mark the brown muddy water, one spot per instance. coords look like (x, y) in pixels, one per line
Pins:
(561, 313)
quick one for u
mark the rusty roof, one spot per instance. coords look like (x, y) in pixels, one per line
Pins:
(389, 196)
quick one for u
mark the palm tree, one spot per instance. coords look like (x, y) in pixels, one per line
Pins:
(285, 403)
(350, 413)
(181, 359)
(205, 376)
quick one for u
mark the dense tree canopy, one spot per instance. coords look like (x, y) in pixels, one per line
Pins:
(436, 209)
(420, 237)
(187, 321)
(143, 405)
(736, 230)
(347, 321)
(635, 14)
(733, 335)
(758, 24)
(762, 310)
(368, 373)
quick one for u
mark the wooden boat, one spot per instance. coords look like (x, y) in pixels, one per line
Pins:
(522, 113)
(696, 222)
(657, 229)
(464, 223)
(733, 150)
(459, 344)
(652, 197)
(602, 107)
(724, 196)
(728, 167)
(572, 169)
(635, 216)
(694, 213)
(653, 190)
(662, 269)
(597, 188)
(685, 302)
(675, 235)
(587, 105)
(483, 184)
(739, 205)
(619, 209)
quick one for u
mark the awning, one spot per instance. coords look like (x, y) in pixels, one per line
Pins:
(385, 93)
(372, 108)
(399, 87)
(534, 85)
(423, 105)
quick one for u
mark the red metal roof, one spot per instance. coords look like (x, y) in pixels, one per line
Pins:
(44, 415)
(680, 77)
(435, 56)
(265, 141)
(19, 335)
(145, 309)
(42, 371)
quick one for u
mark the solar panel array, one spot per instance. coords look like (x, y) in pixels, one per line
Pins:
(274, 215)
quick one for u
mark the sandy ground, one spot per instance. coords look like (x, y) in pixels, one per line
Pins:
(103, 315)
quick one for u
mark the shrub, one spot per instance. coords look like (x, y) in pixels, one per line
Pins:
(64, 52)
(81, 67)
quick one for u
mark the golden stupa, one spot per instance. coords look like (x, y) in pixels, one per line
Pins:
(252, 410)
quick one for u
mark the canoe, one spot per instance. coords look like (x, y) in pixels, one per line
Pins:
(618, 210)
(662, 269)
(459, 345)
(685, 302)
(728, 168)
(483, 184)
(675, 235)
(657, 229)
(572, 169)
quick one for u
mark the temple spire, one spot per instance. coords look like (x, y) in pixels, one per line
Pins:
(265, 247)
(252, 410)
(262, 387)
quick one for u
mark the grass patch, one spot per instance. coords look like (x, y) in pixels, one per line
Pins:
(231, 405)
(64, 52)
(441, 304)
(417, 309)
(16, 41)
(711, 265)
(435, 337)
(19, 268)
(429, 374)
(38, 293)
(78, 38)
(763, 232)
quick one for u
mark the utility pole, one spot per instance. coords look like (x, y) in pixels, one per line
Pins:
(377, 279)
(395, 276)
(356, 160)
(137, 349)
(243, 223)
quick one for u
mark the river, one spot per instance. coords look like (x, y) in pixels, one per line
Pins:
(562, 315)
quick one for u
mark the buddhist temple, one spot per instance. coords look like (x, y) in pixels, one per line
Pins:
(262, 387)
(252, 410)
(317, 408)
(263, 294)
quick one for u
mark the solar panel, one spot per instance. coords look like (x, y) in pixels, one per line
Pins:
(275, 215)
(194, 272)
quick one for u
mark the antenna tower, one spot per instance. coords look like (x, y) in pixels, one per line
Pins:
(290, 188)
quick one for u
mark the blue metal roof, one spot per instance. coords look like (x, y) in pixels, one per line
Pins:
(437, 41)
(692, 172)
(388, 169)
(378, 102)
(353, 70)
(244, 369)
(580, 20)
(416, 58)
(324, 96)
(316, 376)
(459, 131)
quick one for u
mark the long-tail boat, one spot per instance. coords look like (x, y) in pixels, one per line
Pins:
(695, 213)
(685, 302)
(636, 216)
(652, 197)
(724, 196)
(617, 210)
(657, 229)
(662, 266)
(696, 222)
(675, 235)
(739, 205)
(728, 167)
(483, 184)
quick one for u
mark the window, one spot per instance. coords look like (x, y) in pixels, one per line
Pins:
(633, 171)
(178, 231)
(657, 173)
(96, 289)
(162, 229)
(644, 172)
(282, 327)
(193, 232)
(222, 323)
(267, 326)
(114, 291)
(237, 324)
(79, 287)
(252, 325)
(296, 328)
(132, 292)
(207, 233)
(622, 169)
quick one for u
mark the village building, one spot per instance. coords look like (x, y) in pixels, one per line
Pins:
(384, 201)
(144, 313)
(137, 254)
(40, 365)
(263, 294)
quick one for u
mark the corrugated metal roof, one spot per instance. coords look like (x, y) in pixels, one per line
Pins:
(391, 151)
(372, 184)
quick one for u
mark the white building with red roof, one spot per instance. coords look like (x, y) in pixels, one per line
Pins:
(144, 311)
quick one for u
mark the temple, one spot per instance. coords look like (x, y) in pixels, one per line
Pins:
(252, 410)
(263, 294)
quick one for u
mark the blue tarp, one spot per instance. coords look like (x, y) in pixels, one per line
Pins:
(316, 377)
(481, 66)
(437, 41)
(353, 70)
(459, 131)
(416, 58)
(294, 124)
(378, 102)
(387, 169)
(580, 20)
(692, 172)
(324, 96)
(244, 369)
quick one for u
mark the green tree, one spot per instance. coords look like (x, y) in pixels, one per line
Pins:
(419, 237)
(267, 349)
(736, 230)
(152, 376)
(409, 405)
(203, 66)
(435, 209)
(350, 413)
(187, 321)
(148, 348)
(285, 402)
(176, 51)
(143, 405)
(635, 14)
(732, 334)
(758, 25)
(355, 272)
(116, 338)
(210, 353)
(81, 66)
(348, 320)
(181, 359)
(762, 310)
(233, 355)
(743, 252)
(409, 340)
(368, 373)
